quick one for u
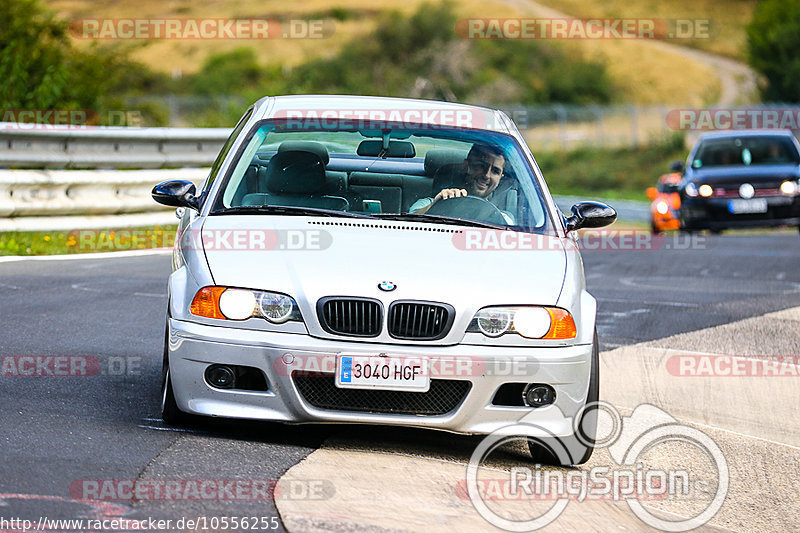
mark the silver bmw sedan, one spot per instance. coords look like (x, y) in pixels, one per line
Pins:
(381, 261)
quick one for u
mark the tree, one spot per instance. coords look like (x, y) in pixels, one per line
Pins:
(33, 47)
(774, 40)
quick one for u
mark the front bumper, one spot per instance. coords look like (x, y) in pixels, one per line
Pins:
(714, 213)
(193, 347)
(665, 222)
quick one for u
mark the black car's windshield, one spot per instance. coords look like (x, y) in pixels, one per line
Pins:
(748, 151)
(381, 172)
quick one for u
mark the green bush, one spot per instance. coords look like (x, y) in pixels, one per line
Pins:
(228, 73)
(39, 69)
(617, 173)
(420, 55)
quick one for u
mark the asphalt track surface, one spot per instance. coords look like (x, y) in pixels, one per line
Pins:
(57, 431)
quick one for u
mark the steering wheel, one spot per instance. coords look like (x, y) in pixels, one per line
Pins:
(469, 208)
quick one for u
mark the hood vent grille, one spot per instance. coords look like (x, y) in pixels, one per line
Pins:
(372, 225)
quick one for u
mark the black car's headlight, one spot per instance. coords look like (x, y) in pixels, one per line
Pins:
(790, 187)
(229, 303)
(533, 322)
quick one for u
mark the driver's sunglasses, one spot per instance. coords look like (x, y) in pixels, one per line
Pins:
(484, 167)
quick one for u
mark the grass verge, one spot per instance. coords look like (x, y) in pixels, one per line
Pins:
(85, 241)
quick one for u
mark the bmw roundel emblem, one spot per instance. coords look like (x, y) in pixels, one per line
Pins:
(387, 286)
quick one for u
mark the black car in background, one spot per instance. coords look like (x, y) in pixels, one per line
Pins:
(742, 178)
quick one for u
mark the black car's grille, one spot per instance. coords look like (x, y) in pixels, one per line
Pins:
(419, 320)
(320, 390)
(358, 317)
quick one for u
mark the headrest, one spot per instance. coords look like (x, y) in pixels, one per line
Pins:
(306, 146)
(295, 172)
(448, 176)
(437, 158)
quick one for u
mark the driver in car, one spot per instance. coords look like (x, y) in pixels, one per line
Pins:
(480, 175)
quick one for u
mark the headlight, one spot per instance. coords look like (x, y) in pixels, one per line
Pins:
(789, 187)
(531, 322)
(705, 190)
(241, 304)
(493, 322)
(275, 307)
(237, 304)
(691, 189)
(662, 207)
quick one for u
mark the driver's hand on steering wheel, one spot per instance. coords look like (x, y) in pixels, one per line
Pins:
(445, 194)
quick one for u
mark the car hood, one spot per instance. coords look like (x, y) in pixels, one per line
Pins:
(312, 257)
(754, 173)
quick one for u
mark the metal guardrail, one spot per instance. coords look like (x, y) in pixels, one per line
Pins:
(25, 193)
(56, 146)
(52, 186)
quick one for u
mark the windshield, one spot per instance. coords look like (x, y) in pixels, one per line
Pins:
(406, 173)
(749, 151)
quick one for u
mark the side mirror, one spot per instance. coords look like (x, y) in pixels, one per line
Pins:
(176, 193)
(590, 215)
(651, 192)
(676, 166)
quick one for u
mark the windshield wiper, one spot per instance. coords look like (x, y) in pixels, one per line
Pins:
(286, 210)
(438, 218)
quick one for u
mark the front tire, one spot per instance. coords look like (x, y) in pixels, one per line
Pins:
(170, 412)
(653, 228)
(575, 449)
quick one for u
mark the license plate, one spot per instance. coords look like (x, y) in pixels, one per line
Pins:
(386, 373)
(756, 205)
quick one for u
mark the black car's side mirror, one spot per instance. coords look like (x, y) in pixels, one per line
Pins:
(676, 166)
(590, 215)
(176, 193)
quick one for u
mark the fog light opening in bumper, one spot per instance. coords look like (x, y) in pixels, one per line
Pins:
(236, 377)
(221, 377)
(538, 395)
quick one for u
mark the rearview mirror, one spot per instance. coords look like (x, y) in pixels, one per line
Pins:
(372, 148)
(676, 166)
(651, 193)
(590, 215)
(176, 193)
